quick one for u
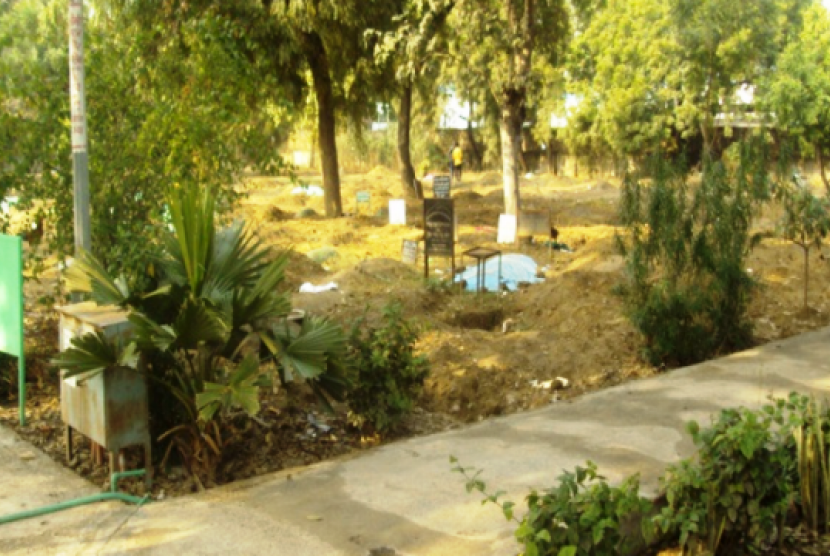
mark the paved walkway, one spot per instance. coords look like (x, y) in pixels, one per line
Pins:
(403, 497)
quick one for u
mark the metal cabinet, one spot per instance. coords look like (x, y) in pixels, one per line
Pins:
(109, 408)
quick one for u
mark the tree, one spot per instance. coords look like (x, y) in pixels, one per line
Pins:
(798, 93)
(805, 222)
(159, 120)
(329, 35)
(724, 45)
(653, 69)
(412, 47)
(620, 68)
(497, 42)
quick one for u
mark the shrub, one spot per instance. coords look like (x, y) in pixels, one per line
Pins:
(582, 516)
(686, 287)
(812, 448)
(754, 475)
(388, 376)
(213, 314)
(736, 492)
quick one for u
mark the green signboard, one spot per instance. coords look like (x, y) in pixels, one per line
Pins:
(11, 308)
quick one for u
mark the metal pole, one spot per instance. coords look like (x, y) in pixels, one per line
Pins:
(77, 97)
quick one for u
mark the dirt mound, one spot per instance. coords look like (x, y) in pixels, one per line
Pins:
(466, 196)
(493, 354)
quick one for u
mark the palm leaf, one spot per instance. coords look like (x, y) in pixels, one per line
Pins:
(88, 275)
(198, 322)
(91, 353)
(237, 261)
(307, 354)
(192, 215)
(151, 334)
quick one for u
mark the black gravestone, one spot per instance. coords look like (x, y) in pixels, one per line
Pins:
(439, 228)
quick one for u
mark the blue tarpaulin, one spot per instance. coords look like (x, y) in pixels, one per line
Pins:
(515, 268)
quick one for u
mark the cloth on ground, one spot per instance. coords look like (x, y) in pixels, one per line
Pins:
(515, 268)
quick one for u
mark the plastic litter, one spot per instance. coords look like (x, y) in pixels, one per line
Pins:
(308, 190)
(308, 287)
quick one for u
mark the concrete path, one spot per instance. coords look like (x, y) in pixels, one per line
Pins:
(402, 499)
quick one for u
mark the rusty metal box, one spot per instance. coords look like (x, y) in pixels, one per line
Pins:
(110, 408)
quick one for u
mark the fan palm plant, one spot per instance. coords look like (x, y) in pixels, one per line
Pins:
(213, 316)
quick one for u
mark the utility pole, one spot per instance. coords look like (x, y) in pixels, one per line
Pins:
(77, 98)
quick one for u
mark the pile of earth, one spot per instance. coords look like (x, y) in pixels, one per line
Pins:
(490, 354)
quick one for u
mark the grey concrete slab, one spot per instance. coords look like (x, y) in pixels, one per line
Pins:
(403, 496)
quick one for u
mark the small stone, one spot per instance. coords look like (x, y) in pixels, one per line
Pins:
(27, 456)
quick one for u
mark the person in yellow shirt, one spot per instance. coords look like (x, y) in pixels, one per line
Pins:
(457, 161)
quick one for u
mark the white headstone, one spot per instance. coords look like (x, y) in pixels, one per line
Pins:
(397, 212)
(507, 228)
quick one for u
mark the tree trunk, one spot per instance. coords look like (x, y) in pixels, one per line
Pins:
(806, 272)
(319, 64)
(822, 169)
(511, 127)
(472, 140)
(411, 186)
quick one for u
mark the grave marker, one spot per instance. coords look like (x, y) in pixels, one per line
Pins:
(439, 231)
(363, 198)
(397, 212)
(441, 187)
(409, 251)
(534, 223)
(507, 228)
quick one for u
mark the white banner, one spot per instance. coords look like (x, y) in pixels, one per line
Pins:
(76, 75)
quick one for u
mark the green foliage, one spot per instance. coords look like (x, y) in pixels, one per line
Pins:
(582, 516)
(812, 444)
(735, 493)
(805, 222)
(213, 314)
(388, 376)
(652, 71)
(686, 287)
(798, 93)
(163, 108)
(752, 472)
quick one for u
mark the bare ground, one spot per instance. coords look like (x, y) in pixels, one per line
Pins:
(570, 326)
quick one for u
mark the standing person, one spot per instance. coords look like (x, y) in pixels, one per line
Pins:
(457, 156)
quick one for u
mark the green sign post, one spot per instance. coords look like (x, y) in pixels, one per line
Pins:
(11, 310)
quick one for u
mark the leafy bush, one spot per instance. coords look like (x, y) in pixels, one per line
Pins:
(388, 376)
(213, 314)
(736, 492)
(686, 286)
(755, 474)
(812, 443)
(582, 516)
(166, 109)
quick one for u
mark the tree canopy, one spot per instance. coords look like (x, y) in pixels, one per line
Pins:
(198, 92)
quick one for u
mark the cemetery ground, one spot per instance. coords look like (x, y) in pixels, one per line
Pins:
(490, 354)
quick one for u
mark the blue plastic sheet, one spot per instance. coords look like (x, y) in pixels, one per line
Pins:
(515, 268)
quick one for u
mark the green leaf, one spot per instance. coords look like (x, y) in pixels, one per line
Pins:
(91, 353)
(87, 274)
(567, 551)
